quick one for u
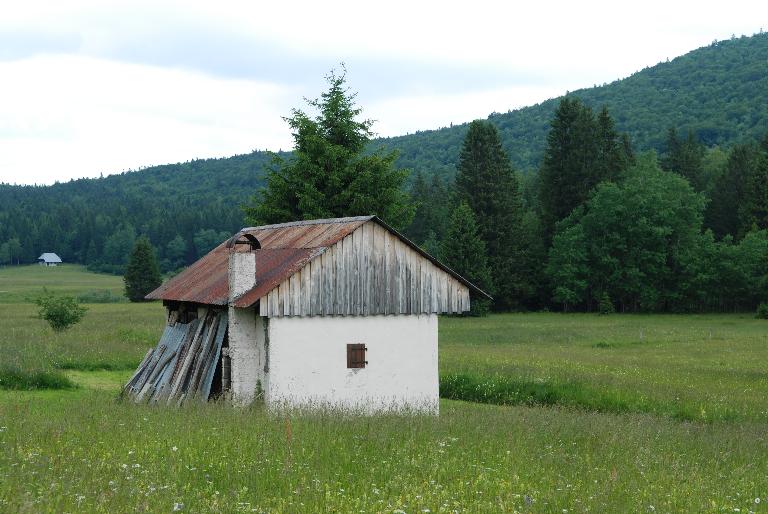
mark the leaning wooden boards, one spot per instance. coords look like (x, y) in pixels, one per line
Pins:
(182, 366)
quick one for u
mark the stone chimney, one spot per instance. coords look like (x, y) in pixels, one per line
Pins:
(243, 351)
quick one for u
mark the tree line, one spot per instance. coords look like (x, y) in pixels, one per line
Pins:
(602, 228)
(184, 209)
(595, 227)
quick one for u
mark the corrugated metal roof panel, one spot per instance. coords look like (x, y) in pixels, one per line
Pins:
(285, 249)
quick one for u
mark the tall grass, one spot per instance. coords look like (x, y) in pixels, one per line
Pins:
(110, 337)
(685, 367)
(77, 452)
(513, 390)
(600, 414)
(31, 379)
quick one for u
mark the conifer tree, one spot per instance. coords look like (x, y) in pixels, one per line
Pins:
(464, 252)
(142, 275)
(614, 151)
(431, 199)
(685, 157)
(754, 210)
(739, 201)
(486, 181)
(330, 174)
(581, 152)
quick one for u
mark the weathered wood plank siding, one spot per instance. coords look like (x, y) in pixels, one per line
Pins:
(370, 271)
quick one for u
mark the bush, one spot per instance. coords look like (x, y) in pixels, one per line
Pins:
(61, 312)
(762, 310)
(606, 305)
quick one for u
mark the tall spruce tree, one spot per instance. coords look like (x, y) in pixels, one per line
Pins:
(739, 201)
(754, 210)
(486, 181)
(582, 151)
(142, 274)
(330, 174)
(614, 151)
(432, 200)
(463, 250)
(685, 157)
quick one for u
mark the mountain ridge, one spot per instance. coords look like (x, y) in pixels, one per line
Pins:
(720, 92)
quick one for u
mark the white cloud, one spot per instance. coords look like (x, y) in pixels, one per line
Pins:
(65, 116)
(92, 86)
(430, 111)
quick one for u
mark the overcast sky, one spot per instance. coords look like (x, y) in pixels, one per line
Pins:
(97, 87)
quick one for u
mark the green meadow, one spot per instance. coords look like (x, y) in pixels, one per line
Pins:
(541, 413)
(20, 284)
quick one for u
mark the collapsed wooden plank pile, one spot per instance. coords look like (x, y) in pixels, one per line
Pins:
(181, 367)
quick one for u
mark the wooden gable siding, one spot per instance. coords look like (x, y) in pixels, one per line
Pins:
(370, 271)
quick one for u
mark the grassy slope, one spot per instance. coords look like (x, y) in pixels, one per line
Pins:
(78, 450)
(24, 283)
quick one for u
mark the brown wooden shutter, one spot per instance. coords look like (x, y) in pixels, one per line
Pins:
(356, 356)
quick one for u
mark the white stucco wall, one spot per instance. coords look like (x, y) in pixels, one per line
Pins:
(308, 362)
(247, 353)
(241, 273)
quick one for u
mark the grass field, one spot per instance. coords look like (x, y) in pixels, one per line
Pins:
(688, 366)
(601, 414)
(25, 283)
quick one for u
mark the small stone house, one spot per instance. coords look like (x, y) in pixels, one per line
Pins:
(49, 259)
(334, 312)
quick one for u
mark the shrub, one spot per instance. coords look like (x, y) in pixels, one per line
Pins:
(762, 310)
(606, 305)
(61, 312)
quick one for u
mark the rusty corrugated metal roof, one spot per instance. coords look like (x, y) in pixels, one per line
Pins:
(285, 249)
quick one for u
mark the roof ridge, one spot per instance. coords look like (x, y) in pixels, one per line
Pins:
(325, 221)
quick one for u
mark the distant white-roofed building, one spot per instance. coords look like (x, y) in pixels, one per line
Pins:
(49, 259)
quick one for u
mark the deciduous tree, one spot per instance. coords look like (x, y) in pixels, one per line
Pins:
(637, 241)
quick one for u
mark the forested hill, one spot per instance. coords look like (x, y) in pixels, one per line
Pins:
(95, 221)
(719, 91)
